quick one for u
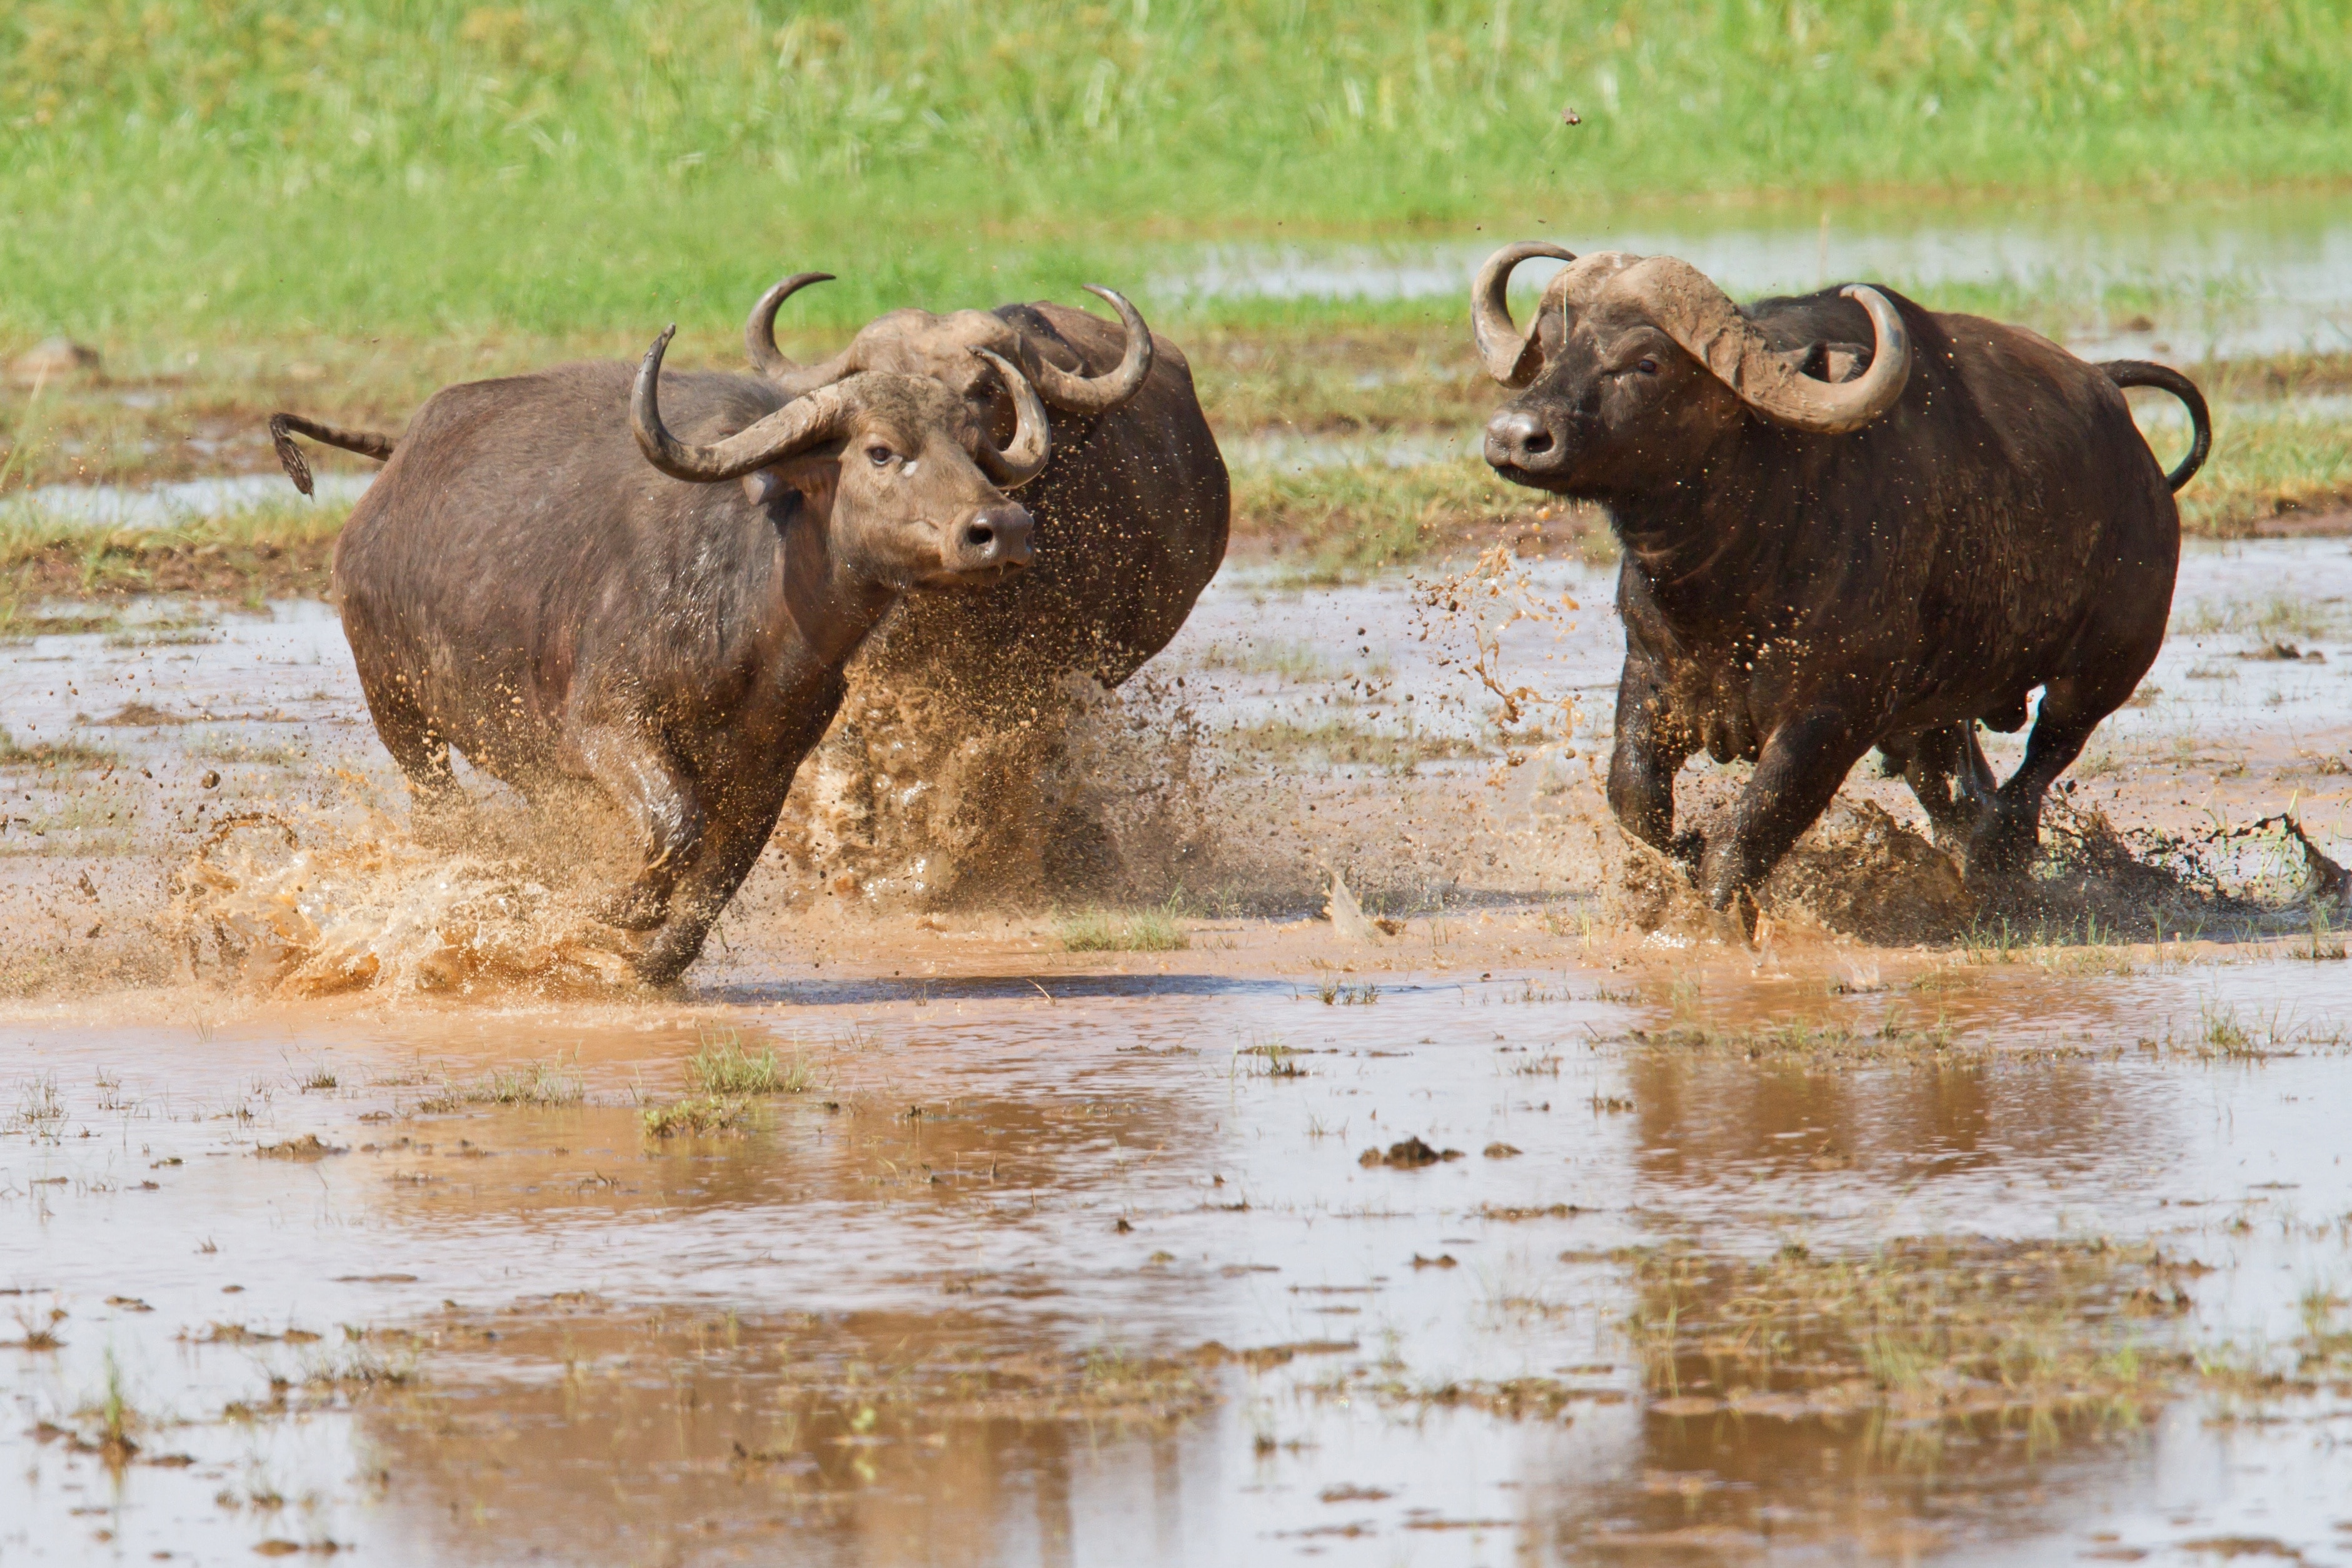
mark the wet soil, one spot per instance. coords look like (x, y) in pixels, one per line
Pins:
(1481, 1221)
(138, 566)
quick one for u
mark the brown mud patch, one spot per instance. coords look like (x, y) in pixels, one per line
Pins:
(2330, 518)
(103, 567)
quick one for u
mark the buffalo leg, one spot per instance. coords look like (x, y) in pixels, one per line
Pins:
(422, 754)
(1947, 771)
(1797, 775)
(2010, 833)
(645, 783)
(726, 855)
(1642, 765)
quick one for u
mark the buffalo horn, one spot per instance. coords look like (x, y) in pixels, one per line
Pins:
(1511, 358)
(797, 425)
(1023, 456)
(1700, 317)
(1100, 394)
(760, 343)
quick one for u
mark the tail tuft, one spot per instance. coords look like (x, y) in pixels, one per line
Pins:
(289, 456)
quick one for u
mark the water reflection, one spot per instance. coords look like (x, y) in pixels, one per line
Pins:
(1101, 1277)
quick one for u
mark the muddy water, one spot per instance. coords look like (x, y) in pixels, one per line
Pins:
(1040, 1256)
(961, 1297)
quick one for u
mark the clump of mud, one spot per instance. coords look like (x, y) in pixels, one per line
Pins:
(1862, 873)
(1857, 873)
(321, 908)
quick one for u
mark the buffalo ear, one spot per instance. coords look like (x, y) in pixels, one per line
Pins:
(816, 479)
(1835, 362)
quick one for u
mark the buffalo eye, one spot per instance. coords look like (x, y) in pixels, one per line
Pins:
(1647, 365)
(879, 455)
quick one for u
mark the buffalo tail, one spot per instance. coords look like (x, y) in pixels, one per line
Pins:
(284, 428)
(2139, 373)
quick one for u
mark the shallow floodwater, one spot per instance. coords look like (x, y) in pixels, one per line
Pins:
(1503, 1236)
(957, 1301)
(2211, 278)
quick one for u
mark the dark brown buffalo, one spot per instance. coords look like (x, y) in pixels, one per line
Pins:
(1133, 507)
(548, 580)
(949, 777)
(1847, 521)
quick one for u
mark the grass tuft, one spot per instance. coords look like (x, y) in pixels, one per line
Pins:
(70, 756)
(532, 1083)
(1146, 930)
(722, 1069)
(698, 1117)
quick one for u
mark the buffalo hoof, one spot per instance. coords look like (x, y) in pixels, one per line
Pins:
(666, 959)
(1734, 924)
(2000, 851)
(633, 908)
(1688, 846)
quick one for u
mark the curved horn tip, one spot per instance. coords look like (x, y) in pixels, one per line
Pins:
(1510, 356)
(1129, 316)
(799, 281)
(661, 345)
(1083, 394)
(1026, 459)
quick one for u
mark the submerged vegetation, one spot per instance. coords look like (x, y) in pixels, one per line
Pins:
(535, 1083)
(696, 1116)
(1946, 1329)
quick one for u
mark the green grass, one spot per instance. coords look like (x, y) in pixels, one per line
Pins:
(273, 549)
(2270, 466)
(535, 1083)
(723, 1068)
(1145, 930)
(178, 169)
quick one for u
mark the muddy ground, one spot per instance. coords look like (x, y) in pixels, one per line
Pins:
(1175, 1205)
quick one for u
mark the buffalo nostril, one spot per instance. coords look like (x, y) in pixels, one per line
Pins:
(979, 536)
(1516, 435)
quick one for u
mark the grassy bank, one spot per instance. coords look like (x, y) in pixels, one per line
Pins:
(1321, 525)
(419, 166)
(2281, 457)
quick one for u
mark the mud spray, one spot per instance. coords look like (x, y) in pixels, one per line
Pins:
(1164, 791)
(318, 906)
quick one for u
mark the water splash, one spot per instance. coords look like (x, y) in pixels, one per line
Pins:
(326, 907)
